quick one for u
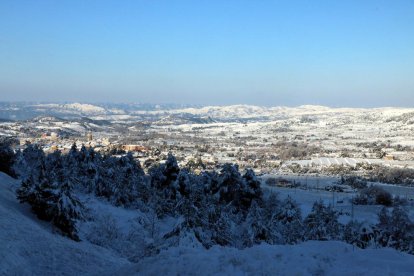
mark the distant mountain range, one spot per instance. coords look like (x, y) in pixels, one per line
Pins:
(170, 114)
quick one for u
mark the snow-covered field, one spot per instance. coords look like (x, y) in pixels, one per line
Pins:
(31, 247)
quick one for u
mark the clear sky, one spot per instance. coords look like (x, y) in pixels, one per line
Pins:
(336, 53)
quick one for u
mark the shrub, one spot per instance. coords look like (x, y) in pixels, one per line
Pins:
(373, 195)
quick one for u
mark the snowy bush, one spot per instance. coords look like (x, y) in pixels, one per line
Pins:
(359, 234)
(354, 182)
(395, 229)
(373, 195)
(104, 231)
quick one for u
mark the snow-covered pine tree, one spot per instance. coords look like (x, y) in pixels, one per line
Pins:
(129, 175)
(158, 179)
(322, 223)
(106, 183)
(220, 222)
(231, 185)
(29, 162)
(30, 166)
(55, 167)
(7, 156)
(88, 169)
(49, 195)
(171, 169)
(256, 225)
(183, 183)
(289, 218)
(271, 210)
(252, 190)
(66, 211)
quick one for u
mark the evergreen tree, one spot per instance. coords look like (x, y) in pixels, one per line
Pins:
(171, 169)
(66, 210)
(7, 156)
(256, 226)
(30, 162)
(129, 175)
(322, 223)
(55, 168)
(289, 218)
(231, 185)
(252, 190)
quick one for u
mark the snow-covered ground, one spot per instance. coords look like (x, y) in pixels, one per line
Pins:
(309, 258)
(31, 247)
(341, 201)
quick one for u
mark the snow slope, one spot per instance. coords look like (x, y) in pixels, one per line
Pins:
(309, 258)
(29, 246)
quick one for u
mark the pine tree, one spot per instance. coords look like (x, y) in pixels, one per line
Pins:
(289, 218)
(231, 185)
(47, 189)
(67, 209)
(322, 223)
(256, 225)
(171, 169)
(252, 190)
(129, 175)
(7, 156)
(30, 162)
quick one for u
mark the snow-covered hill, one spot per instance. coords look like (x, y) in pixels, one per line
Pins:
(80, 108)
(30, 247)
(177, 115)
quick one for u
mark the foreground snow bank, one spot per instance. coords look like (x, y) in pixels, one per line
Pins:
(29, 246)
(309, 258)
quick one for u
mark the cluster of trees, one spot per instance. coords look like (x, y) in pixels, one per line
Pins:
(6, 155)
(47, 186)
(222, 207)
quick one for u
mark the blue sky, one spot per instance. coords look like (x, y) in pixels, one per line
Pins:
(336, 53)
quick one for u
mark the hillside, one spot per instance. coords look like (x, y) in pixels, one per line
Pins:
(30, 246)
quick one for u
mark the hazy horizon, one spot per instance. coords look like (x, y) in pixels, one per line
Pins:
(337, 54)
(184, 105)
